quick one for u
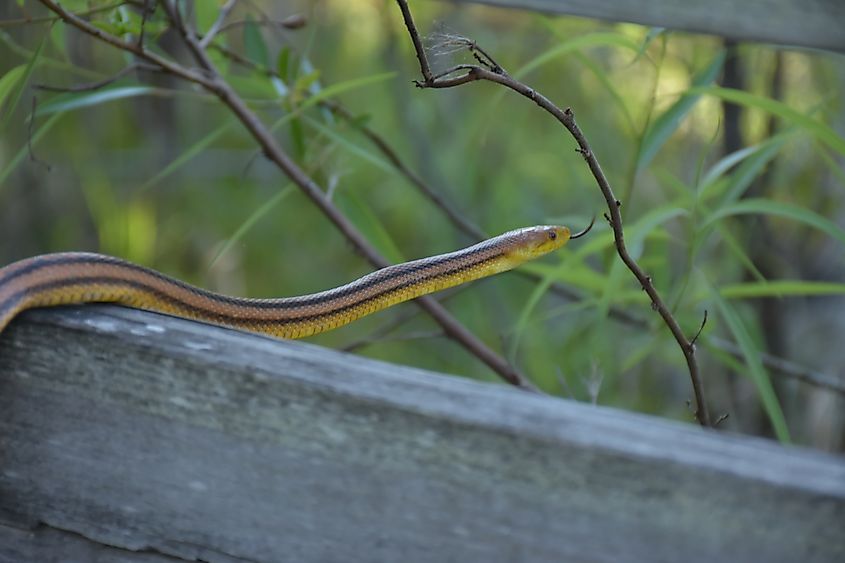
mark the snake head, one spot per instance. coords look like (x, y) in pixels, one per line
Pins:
(532, 242)
(546, 238)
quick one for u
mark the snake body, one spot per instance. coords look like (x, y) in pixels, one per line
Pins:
(78, 277)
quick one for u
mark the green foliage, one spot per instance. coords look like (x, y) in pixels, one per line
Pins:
(667, 123)
(751, 354)
(159, 172)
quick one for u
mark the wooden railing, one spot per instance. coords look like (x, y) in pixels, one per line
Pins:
(129, 436)
(805, 23)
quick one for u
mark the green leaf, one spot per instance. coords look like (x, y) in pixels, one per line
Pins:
(340, 87)
(9, 81)
(74, 101)
(17, 81)
(329, 92)
(756, 371)
(833, 166)
(304, 82)
(609, 87)
(369, 224)
(540, 289)
(726, 163)
(813, 126)
(186, 155)
(653, 33)
(297, 137)
(737, 249)
(752, 161)
(635, 235)
(250, 221)
(283, 63)
(206, 14)
(599, 39)
(570, 271)
(781, 288)
(256, 49)
(255, 86)
(664, 126)
(778, 209)
(350, 146)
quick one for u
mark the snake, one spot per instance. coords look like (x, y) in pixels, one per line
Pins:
(71, 278)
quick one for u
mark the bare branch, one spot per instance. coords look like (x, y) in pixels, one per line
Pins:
(218, 23)
(295, 21)
(567, 119)
(90, 86)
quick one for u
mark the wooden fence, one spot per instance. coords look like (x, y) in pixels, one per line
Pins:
(804, 23)
(128, 436)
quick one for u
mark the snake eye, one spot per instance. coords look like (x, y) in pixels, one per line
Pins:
(552, 235)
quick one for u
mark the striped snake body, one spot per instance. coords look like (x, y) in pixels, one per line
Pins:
(79, 277)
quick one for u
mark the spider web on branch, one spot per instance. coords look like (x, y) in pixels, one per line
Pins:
(446, 48)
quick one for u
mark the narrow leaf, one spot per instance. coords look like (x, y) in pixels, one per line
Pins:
(256, 49)
(69, 102)
(186, 156)
(664, 126)
(250, 221)
(9, 81)
(350, 146)
(781, 288)
(599, 39)
(22, 80)
(775, 208)
(756, 371)
(813, 126)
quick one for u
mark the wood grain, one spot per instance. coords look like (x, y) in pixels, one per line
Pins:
(805, 23)
(156, 438)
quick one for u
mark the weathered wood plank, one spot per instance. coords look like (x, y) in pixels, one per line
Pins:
(808, 23)
(176, 439)
(44, 544)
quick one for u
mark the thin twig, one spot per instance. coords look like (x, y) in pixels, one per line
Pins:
(216, 27)
(30, 128)
(700, 328)
(210, 79)
(295, 21)
(90, 86)
(147, 10)
(784, 367)
(567, 119)
(45, 19)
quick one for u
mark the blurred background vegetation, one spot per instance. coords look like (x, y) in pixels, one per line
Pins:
(736, 210)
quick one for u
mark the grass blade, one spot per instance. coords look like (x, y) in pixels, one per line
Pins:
(183, 158)
(781, 288)
(358, 151)
(663, 127)
(17, 79)
(756, 371)
(778, 209)
(816, 128)
(251, 221)
(8, 84)
(598, 39)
